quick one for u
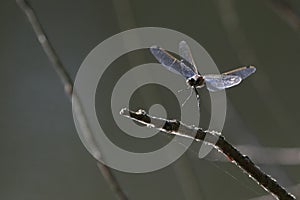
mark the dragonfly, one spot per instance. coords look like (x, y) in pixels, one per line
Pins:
(186, 67)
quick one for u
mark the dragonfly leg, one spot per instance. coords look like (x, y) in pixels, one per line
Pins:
(187, 97)
(198, 97)
(184, 89)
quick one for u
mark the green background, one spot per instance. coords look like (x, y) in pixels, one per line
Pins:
(42, 156)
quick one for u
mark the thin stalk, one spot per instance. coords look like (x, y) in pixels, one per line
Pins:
(68, 86)
(175, 127)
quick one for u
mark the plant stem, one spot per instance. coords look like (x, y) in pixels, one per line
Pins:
(68, 86)
(176, 127)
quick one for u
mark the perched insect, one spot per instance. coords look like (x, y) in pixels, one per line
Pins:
(186, 67)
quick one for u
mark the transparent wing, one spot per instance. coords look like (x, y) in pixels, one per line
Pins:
(171, 63)
(216, 82)
(185, 53)
(242, 72)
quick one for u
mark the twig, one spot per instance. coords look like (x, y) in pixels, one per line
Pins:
(68, 86)
(295, 189)
(176, 127)
(264, 155)
(47, 47)
(272, 155)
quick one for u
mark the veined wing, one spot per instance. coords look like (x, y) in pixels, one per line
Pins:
(242, 72)
(216, 82)
(185, 53)
(171, 63)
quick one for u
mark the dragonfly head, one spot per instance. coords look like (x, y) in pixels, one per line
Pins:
(195, 81)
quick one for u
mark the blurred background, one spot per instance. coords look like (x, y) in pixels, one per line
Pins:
(42, 156)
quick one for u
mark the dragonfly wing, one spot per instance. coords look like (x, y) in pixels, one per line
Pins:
(242, 72)
(185, 53)
(171, 63)
(216, 82)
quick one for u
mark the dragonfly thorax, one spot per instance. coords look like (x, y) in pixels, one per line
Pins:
(195, 81)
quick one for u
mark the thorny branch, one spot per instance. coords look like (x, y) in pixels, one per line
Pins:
(175, 127)
(272, 155)
(295, 189)
(68, 85)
